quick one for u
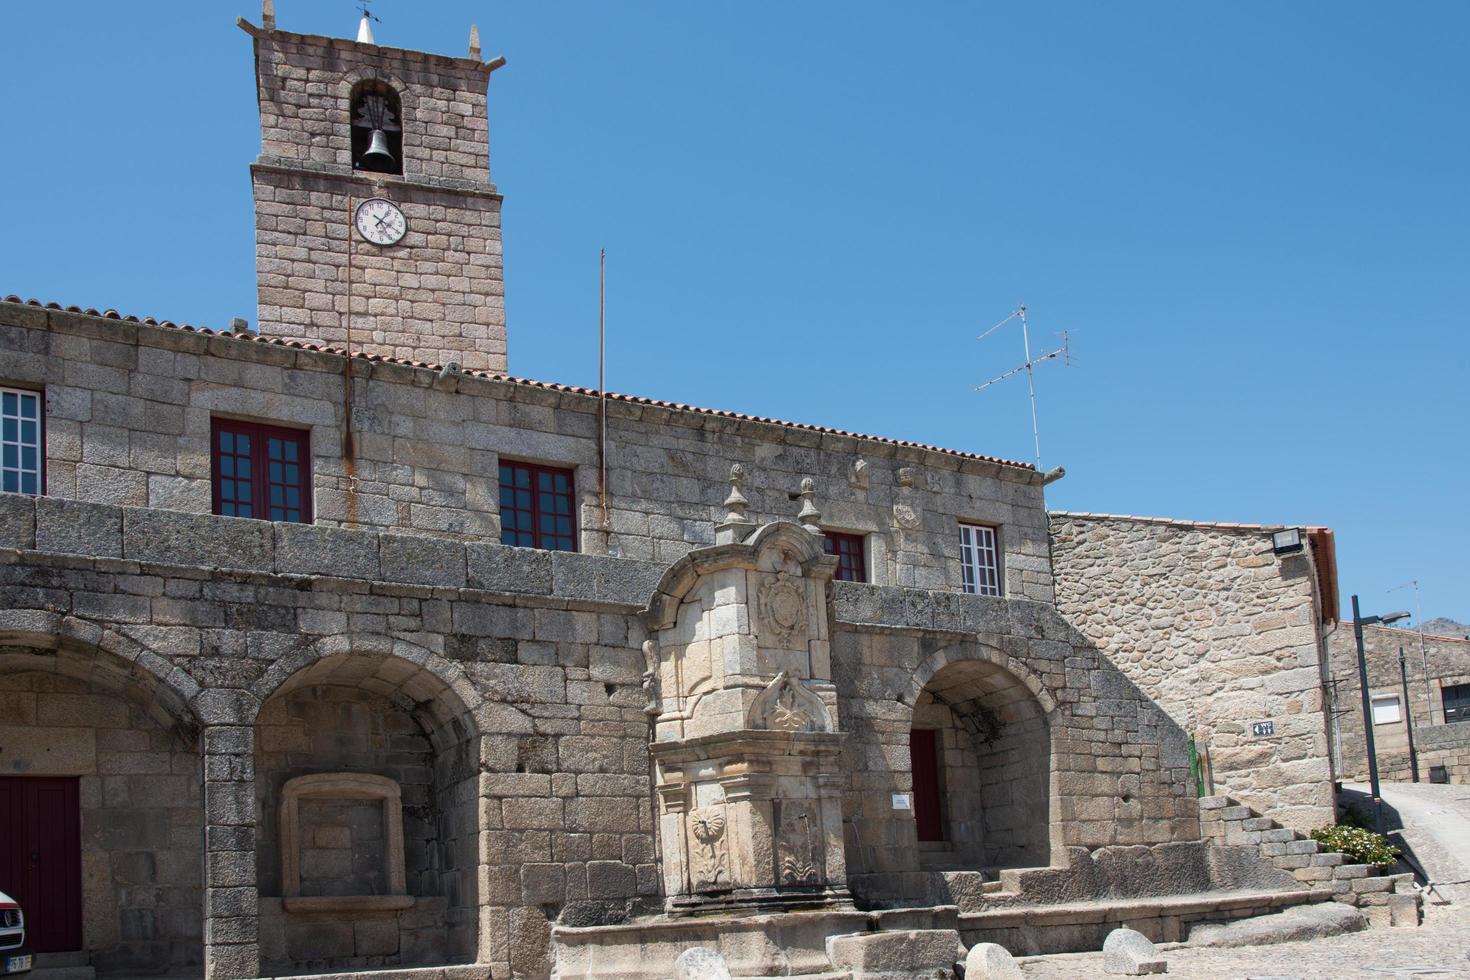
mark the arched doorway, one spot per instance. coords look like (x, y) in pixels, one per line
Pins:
(367, 783)
(980, 757)
(101, 815)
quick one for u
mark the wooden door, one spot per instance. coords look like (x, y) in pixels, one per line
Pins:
(924, 759)
(41, 857)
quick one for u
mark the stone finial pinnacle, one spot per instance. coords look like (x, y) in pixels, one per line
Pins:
(475, 42)
(736, 503)
(809, 517)
(365, 28)
(268, 14)
(737, 523)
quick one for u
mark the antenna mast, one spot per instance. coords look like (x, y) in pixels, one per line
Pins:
(1029, 366)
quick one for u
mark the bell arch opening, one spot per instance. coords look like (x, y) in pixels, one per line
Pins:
(367, 783)
(377, 128)
(980, 756)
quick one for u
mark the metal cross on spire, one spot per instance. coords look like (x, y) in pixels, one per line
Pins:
(1029, 366)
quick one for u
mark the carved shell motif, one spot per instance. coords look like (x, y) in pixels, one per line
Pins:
(781, 603)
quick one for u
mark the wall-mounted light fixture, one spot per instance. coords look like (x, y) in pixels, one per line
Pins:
(1287, 540)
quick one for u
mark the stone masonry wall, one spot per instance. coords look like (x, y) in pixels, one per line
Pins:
(1222, 633)
(439, 293)
(1116, 768)
(141, 817)
(128, 410)
(1438, 743)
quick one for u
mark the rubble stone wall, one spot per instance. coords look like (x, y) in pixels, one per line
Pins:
(1223, 634)
(128, 409)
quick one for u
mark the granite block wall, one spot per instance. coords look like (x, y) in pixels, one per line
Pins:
(141, 814)
(1222, 633)
(129, 407)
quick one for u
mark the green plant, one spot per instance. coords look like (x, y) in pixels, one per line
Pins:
(1361, 844)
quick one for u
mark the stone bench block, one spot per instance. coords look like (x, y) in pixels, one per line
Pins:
(991, 961)
(1129, 953)
(915, 954)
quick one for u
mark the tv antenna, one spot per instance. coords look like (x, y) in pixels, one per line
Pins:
(1029, 366)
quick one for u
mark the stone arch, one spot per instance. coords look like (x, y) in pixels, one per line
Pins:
(113, 730)
(37, 640)
(350, 706)
(989, 722)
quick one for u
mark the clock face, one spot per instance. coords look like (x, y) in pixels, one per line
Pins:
(380, 221)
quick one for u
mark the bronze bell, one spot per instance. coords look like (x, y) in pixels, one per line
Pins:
(377, 154)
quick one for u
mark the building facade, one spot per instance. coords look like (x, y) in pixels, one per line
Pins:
(333, 648)
(1430, 689)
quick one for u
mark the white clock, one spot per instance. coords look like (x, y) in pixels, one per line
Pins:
(380, 221)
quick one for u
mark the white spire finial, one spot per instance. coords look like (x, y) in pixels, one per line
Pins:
(365, 26)
(475, 42)
(268, 14)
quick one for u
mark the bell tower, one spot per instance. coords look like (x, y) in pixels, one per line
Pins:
(376, 225)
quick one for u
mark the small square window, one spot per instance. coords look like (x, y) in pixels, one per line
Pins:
(22, 441)
(1456, 698)
(980, 559)
(536, 507)
(1386, 709)
(852, 557)
(261, 471)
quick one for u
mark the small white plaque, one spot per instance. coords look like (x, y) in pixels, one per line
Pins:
(901, 801)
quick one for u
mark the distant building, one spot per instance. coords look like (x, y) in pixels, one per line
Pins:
(1432, 688)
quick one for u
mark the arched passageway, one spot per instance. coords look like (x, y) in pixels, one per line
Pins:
(366, 779)
(101, 817)
(980, 755)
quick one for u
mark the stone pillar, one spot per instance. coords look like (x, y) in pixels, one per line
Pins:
(231, 893)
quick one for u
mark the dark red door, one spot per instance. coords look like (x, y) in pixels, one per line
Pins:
(41, 857)
(924, 757)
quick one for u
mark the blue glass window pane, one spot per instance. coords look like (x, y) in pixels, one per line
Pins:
(227, 442)
(227, 465)
(28, 483)
(11, 432)
(11, 458)
(28, 432)
(11, 399)
(28, 406)
(27, 457)
(11, 481)
(243, 462)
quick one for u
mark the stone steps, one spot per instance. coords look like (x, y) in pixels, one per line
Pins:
(1386, 899)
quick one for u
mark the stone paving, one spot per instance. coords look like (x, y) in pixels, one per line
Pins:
(1439, 948)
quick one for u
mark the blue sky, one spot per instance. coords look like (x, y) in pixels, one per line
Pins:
(1252, 217)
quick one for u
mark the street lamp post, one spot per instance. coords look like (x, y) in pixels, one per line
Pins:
(1408, 715)
(1359, 621)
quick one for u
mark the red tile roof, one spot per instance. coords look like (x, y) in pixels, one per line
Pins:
(548, 385)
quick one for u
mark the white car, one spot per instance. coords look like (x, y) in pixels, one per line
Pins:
(14, 957)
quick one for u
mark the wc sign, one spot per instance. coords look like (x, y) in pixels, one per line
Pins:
(1261, 729)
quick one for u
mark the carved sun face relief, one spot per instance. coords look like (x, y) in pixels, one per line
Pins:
(781, 603)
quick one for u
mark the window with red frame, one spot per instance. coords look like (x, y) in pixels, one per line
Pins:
(852, 556)
(536, 507)
(261, 471)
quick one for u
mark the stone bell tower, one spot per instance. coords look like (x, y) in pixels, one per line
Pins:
(377, 226)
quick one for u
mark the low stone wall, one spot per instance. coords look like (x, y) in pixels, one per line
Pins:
(1448, 746)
